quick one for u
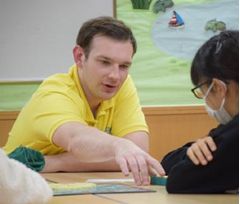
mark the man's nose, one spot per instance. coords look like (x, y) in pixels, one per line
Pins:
(114, 73)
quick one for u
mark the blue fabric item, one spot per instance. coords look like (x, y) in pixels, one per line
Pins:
(31, 158)
(156, 180)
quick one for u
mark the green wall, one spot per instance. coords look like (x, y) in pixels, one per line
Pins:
(13, 96)
(161, 79)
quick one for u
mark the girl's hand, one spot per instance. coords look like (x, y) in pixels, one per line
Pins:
(200, 152)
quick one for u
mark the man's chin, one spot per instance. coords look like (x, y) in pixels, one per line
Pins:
(108, 96)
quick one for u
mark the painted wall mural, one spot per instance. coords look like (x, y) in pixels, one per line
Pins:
(168, 34)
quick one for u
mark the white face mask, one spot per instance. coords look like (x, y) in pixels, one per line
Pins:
(221, 115)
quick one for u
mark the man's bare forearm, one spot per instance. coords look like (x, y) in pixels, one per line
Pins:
(86, 143)
(68, 163)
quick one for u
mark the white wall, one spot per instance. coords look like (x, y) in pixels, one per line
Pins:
(37, 36)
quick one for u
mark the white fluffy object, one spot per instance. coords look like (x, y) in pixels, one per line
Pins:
(21, 185)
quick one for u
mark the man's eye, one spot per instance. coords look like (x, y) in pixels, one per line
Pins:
(124, 66)
(105, 62)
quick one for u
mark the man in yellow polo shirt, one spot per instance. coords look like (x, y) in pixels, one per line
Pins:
(90, 119)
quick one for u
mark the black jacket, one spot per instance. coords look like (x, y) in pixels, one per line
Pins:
(218, 176)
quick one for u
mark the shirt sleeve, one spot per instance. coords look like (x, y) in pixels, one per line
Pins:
(173, 157)
(218, 176)
(128, 115)
(51, 110)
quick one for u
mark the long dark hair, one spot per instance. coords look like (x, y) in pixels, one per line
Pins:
(217, 58)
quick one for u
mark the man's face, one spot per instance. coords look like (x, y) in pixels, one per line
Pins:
(106, 68)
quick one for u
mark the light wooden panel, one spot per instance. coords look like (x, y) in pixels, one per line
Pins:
(170, 127)
(6, 122)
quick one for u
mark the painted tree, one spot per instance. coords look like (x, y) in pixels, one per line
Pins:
(161, 5)
(141, 4)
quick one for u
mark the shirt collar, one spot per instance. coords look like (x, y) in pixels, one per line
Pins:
(105, 105)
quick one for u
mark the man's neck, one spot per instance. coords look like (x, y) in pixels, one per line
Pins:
(94, 108)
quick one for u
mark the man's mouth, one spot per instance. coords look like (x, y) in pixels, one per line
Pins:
(110, 88)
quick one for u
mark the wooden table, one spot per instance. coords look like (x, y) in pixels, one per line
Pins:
(161, 196)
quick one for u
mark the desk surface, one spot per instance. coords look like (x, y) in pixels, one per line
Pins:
(161, 196)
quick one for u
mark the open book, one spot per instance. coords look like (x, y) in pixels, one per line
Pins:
(60, 189)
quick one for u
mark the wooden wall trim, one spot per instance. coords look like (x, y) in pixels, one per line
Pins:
(6, 115)
(170, 126)
(174, 110)
(148, 110)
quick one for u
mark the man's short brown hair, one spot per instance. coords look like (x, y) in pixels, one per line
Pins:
(104, 26)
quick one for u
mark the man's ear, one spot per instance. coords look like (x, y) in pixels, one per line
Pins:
(219, 87)
(78, 54)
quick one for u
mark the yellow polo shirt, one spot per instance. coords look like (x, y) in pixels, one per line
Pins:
(60, 99)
